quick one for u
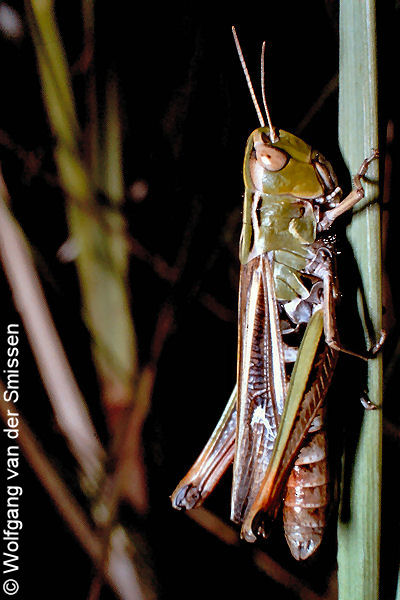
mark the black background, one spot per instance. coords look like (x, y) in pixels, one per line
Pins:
(187, 115)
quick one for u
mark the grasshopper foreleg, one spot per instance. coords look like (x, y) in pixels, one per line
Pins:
(355, 195)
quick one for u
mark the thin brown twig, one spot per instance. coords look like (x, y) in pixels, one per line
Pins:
(215, 307)
(85, 60)
(121, 573)
(130, 438)
(129, 446)
(68, 403)
(32, 160)
(155, 261)
(69, 406)
(158, 264)
(273, 569)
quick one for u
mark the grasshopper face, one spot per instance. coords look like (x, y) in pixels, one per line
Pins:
(288, 166)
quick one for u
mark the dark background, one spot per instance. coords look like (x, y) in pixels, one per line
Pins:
(187, 115)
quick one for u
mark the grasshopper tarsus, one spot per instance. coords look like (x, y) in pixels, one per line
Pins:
(376, 348)
(363, 170)
(367, 402)
(371, 353)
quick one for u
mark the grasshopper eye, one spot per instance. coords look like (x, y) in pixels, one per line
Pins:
(271, 158)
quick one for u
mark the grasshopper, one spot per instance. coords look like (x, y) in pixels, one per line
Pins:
(272, 428)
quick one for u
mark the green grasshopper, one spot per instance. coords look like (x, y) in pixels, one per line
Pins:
(288, 342)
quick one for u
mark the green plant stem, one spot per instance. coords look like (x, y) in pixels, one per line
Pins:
(359, 534)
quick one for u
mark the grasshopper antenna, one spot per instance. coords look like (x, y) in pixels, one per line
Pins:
(246, 73)
(272, 133)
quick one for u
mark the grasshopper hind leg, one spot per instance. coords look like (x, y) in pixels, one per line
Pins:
(187, 497)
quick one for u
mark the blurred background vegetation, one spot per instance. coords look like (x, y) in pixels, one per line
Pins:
(121, 148)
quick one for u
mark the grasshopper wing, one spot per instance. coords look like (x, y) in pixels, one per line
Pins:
(261, 383)
(304, 399)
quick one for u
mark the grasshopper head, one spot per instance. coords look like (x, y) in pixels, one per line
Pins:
(282, 163)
